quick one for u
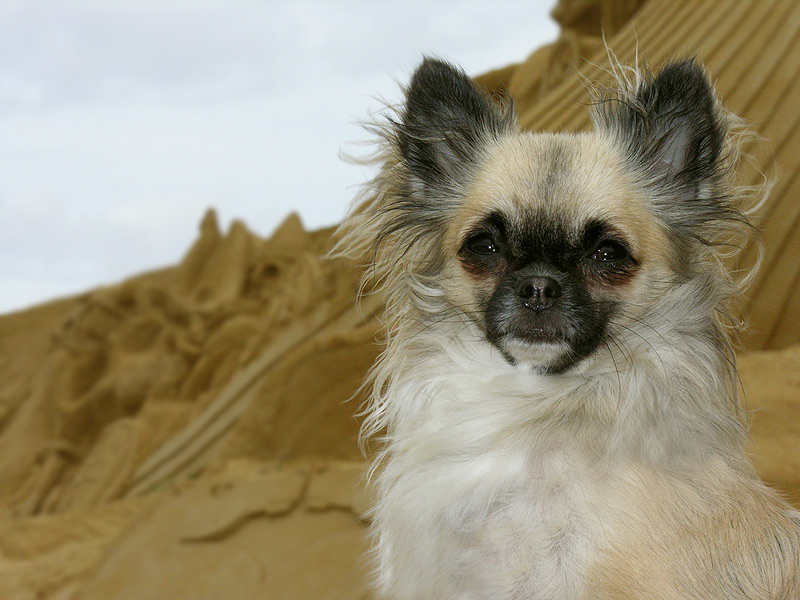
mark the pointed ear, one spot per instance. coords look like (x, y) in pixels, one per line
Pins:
(446, 123)
(670, 125)
(672, 130)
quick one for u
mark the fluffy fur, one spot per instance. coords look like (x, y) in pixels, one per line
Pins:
(557, 407)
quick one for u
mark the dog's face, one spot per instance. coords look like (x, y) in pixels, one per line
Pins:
(552, 244)
(551, 241)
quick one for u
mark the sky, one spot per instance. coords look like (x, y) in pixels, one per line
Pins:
(122, 122)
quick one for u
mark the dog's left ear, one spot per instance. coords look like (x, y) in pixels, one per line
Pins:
(672, 130)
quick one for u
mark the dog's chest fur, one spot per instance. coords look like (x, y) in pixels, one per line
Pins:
(483, 501)
(540, 531)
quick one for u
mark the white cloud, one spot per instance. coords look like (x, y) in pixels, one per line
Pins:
(121, 122)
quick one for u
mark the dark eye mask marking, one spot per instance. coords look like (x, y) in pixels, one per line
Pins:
(484, 250)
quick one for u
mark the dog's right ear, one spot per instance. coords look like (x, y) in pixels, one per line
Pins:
(445, 125)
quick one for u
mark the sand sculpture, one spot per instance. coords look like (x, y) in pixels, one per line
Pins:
(185, 433)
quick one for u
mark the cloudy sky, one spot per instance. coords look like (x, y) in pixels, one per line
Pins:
(120, 123)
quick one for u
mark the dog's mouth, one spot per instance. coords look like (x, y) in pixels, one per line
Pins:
(549, 330)
(539, 335)
(549, 339)
(540, 342)
(544, 353)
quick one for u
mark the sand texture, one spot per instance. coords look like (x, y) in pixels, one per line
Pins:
(189, 433)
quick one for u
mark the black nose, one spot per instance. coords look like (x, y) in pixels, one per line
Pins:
(538, 293)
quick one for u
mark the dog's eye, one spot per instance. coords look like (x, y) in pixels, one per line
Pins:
(609, 251)
(482, 244)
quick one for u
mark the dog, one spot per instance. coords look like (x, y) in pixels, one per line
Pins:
(557, 409)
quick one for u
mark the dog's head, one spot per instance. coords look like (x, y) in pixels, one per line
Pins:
(550, 244)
